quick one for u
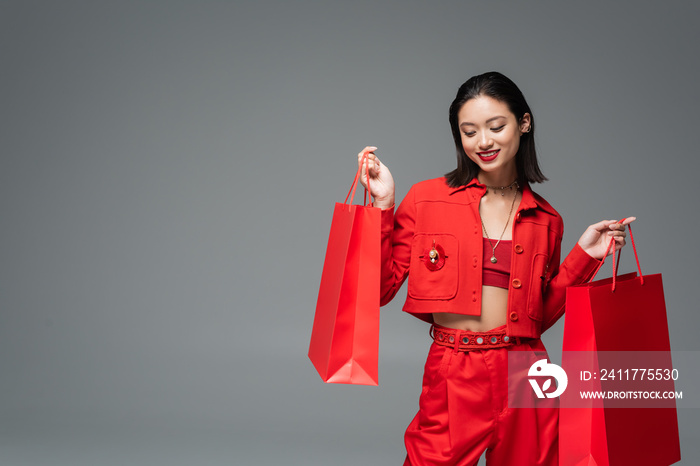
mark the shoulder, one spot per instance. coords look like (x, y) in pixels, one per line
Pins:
(557, 223)
(433, 189)
(430, 194)
(543, 204)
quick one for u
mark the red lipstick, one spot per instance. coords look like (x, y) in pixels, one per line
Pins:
(488, 156)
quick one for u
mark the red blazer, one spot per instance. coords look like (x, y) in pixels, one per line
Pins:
(435, 215)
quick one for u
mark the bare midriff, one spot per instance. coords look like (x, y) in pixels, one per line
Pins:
(494, 304)
(494, 300)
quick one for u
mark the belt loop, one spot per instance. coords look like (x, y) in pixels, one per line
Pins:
(458, 337)
(431, 331)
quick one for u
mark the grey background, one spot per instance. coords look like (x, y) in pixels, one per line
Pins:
(168, 175)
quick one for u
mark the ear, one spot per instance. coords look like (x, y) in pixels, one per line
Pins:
(525, 123)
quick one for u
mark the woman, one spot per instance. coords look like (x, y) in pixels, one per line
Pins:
(481, 252)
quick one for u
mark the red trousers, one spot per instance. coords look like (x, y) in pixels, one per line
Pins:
(464, 411)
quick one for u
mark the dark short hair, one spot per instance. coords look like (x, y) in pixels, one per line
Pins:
(499, 87)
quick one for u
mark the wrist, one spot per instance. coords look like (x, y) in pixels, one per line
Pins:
(384, 203)
(589, 250)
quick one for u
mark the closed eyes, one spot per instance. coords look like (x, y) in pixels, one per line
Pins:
(495, 130)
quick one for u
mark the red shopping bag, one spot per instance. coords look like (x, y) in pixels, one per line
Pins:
(610, 325)
(345, 337)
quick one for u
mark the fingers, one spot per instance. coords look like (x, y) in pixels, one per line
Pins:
(617, 227)
(618, 231)
(602, 225)
(369, 150)
(372, 163)
(612, 224)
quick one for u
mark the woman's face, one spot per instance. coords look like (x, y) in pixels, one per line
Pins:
(491, 133)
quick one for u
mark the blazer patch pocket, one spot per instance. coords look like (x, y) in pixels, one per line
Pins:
(538, 282)
(433, 270)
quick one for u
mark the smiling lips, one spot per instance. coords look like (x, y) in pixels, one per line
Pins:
(489, 155)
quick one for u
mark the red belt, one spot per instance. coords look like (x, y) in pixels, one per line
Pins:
(466, 340)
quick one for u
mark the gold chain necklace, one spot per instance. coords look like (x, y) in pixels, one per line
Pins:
(493, 248)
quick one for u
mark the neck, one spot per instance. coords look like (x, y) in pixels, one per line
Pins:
(502, 178)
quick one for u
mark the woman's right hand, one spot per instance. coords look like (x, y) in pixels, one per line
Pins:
(381, 182)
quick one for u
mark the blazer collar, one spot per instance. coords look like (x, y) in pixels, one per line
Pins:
(529, 200)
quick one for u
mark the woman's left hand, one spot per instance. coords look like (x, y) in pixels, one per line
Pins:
(596, 238)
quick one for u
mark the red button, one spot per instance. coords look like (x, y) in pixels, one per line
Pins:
(513, 316)
(518, 249)
(518, 217)
(516, 283)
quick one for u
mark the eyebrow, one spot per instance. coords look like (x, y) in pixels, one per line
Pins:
(466, 123)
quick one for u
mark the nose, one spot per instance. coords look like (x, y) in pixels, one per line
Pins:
(485, 142)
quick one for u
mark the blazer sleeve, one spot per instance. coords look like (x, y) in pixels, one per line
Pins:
(397, 235)
(577, 268)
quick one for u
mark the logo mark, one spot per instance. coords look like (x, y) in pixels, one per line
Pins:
(542, 368)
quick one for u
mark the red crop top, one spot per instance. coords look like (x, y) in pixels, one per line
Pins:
(497, 274)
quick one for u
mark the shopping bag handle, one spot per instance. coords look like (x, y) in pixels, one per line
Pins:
(365, 162)
(616, 263)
